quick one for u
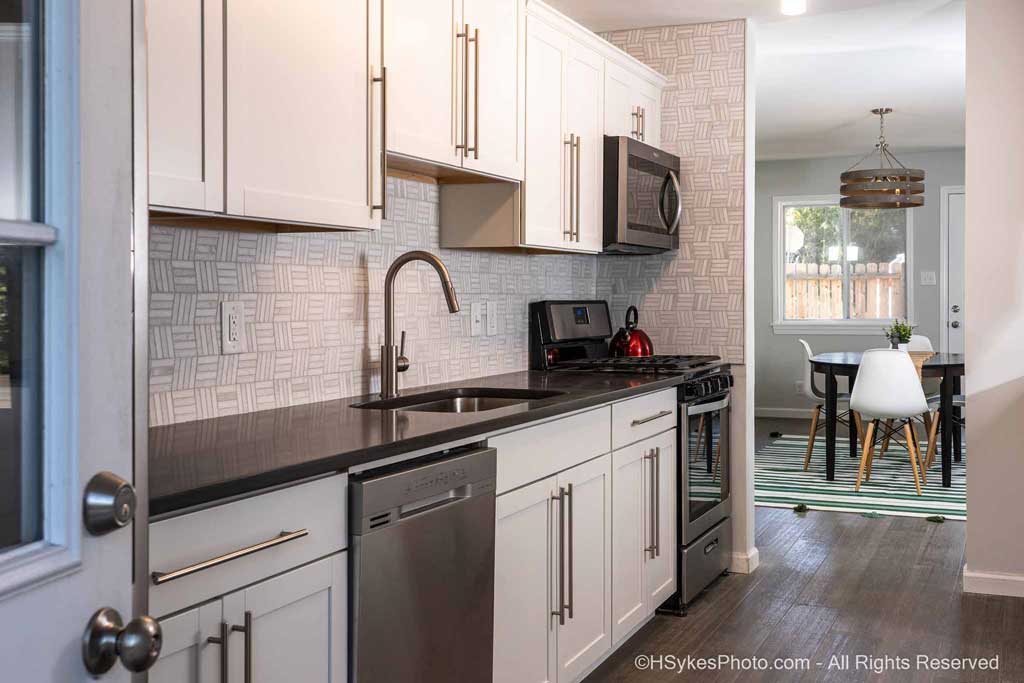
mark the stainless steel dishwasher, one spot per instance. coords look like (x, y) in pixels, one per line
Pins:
(423, 570)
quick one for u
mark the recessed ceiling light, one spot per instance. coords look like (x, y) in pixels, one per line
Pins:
(792, 8)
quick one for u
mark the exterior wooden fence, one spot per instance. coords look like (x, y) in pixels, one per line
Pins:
(815, 291)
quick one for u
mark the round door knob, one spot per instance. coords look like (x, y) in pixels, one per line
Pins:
(955, 324)
(107, 639)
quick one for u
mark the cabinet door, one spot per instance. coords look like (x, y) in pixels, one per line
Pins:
(299, 623)
(497, 86)
(186, 656)
(660, 570)
(545, 186)
(297, 116)
(630, 537)
(423, 59)
(620, 101)
(186, 104)
(584, 78)
(586, 635)
(524, 558)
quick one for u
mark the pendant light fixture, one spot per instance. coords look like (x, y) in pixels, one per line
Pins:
(891, 186)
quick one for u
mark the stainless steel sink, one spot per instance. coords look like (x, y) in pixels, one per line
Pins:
(464, 400)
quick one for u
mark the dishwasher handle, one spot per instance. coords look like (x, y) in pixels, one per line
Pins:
(425, 505)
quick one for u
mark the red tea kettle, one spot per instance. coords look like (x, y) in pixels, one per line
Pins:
(630, 341)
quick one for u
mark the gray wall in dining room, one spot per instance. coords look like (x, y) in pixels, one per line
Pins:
(779, 359)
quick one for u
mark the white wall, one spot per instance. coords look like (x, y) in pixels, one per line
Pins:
(779, 357)
(995, 296)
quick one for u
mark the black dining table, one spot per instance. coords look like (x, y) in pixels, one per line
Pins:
(947, 366)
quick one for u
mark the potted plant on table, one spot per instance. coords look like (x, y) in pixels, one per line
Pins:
(899, 333)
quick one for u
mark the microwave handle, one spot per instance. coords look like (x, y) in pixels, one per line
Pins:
(674, 225)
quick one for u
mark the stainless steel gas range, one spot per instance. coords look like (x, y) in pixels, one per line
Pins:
(572, 336)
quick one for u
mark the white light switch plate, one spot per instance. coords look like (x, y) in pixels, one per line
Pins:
(232, 326)
(477, 322)
(928, 278)
(492, 318)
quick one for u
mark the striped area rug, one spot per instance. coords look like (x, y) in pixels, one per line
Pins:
(780, 481)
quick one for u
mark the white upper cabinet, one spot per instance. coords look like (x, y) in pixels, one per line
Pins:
(297, 116)
(495, 84)
(186, 104)
(583, 102)
(423, 57)
(632, 103)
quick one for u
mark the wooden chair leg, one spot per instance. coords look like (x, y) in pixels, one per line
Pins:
(885, 441)
(869, 439)
(913, 459)
(932, 437)
(700, 437)
(927, 418)
(916, 444)
(810, 437)
(870, 445)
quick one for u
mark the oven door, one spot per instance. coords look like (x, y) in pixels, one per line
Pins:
(704, 466)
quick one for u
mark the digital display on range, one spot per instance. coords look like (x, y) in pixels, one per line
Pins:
(581, 315)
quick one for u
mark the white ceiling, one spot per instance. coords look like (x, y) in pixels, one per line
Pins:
(819, 75)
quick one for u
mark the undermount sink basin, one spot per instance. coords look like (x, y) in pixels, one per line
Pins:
(465, 400)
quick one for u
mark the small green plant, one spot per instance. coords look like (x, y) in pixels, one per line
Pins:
(899, 332)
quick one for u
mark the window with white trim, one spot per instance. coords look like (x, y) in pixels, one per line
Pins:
(839, 269)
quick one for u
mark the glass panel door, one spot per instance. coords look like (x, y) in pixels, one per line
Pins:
(707, 464)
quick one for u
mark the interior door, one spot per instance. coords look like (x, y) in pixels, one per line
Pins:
(544, 188)
(584, 78)
(67, 361)
(955, 313)
(422, 56)
(586, 634)
(497, 86)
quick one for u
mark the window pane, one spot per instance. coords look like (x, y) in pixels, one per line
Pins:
(20, 390)
(18, 109)
(876, 257)
(813, 262)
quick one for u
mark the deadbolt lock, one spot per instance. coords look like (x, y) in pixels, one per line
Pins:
(109, 503)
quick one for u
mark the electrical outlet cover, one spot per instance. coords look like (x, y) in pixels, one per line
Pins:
(928, 278)
(477, 319)
(232, 326)
(492, 318)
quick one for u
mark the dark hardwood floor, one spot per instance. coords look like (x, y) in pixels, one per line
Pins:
(834, 583)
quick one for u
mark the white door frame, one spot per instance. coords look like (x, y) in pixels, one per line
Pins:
(944, 193)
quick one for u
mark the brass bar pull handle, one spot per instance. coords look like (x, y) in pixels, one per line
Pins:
(222, 640)
(475, 149)
(159, 578)
(579, 167)
(572, 550)
(560, 612)
(383, 80)
(650, 418)
(570, 144)
(247, 630)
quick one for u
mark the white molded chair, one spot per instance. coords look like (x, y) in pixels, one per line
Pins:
(888, 388)
(919, 342)
(817, 397)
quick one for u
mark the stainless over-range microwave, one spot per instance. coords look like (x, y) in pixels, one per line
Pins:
(642, 197)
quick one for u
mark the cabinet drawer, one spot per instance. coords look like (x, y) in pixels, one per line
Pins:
(639, 418)
(537, 452)
(207, 553)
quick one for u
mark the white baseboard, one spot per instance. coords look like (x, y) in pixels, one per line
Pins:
(790, 413)
(993, 583)
(745, 563)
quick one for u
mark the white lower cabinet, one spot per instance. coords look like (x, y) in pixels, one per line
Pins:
(292, 627)
(532, 552)
(643, 532)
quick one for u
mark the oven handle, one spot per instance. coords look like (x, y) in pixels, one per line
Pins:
(707, 407)
(674, 179)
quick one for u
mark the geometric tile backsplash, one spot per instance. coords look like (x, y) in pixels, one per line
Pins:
(314, 310)
(691, 300)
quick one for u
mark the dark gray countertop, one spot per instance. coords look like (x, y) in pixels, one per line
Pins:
(202, 462)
